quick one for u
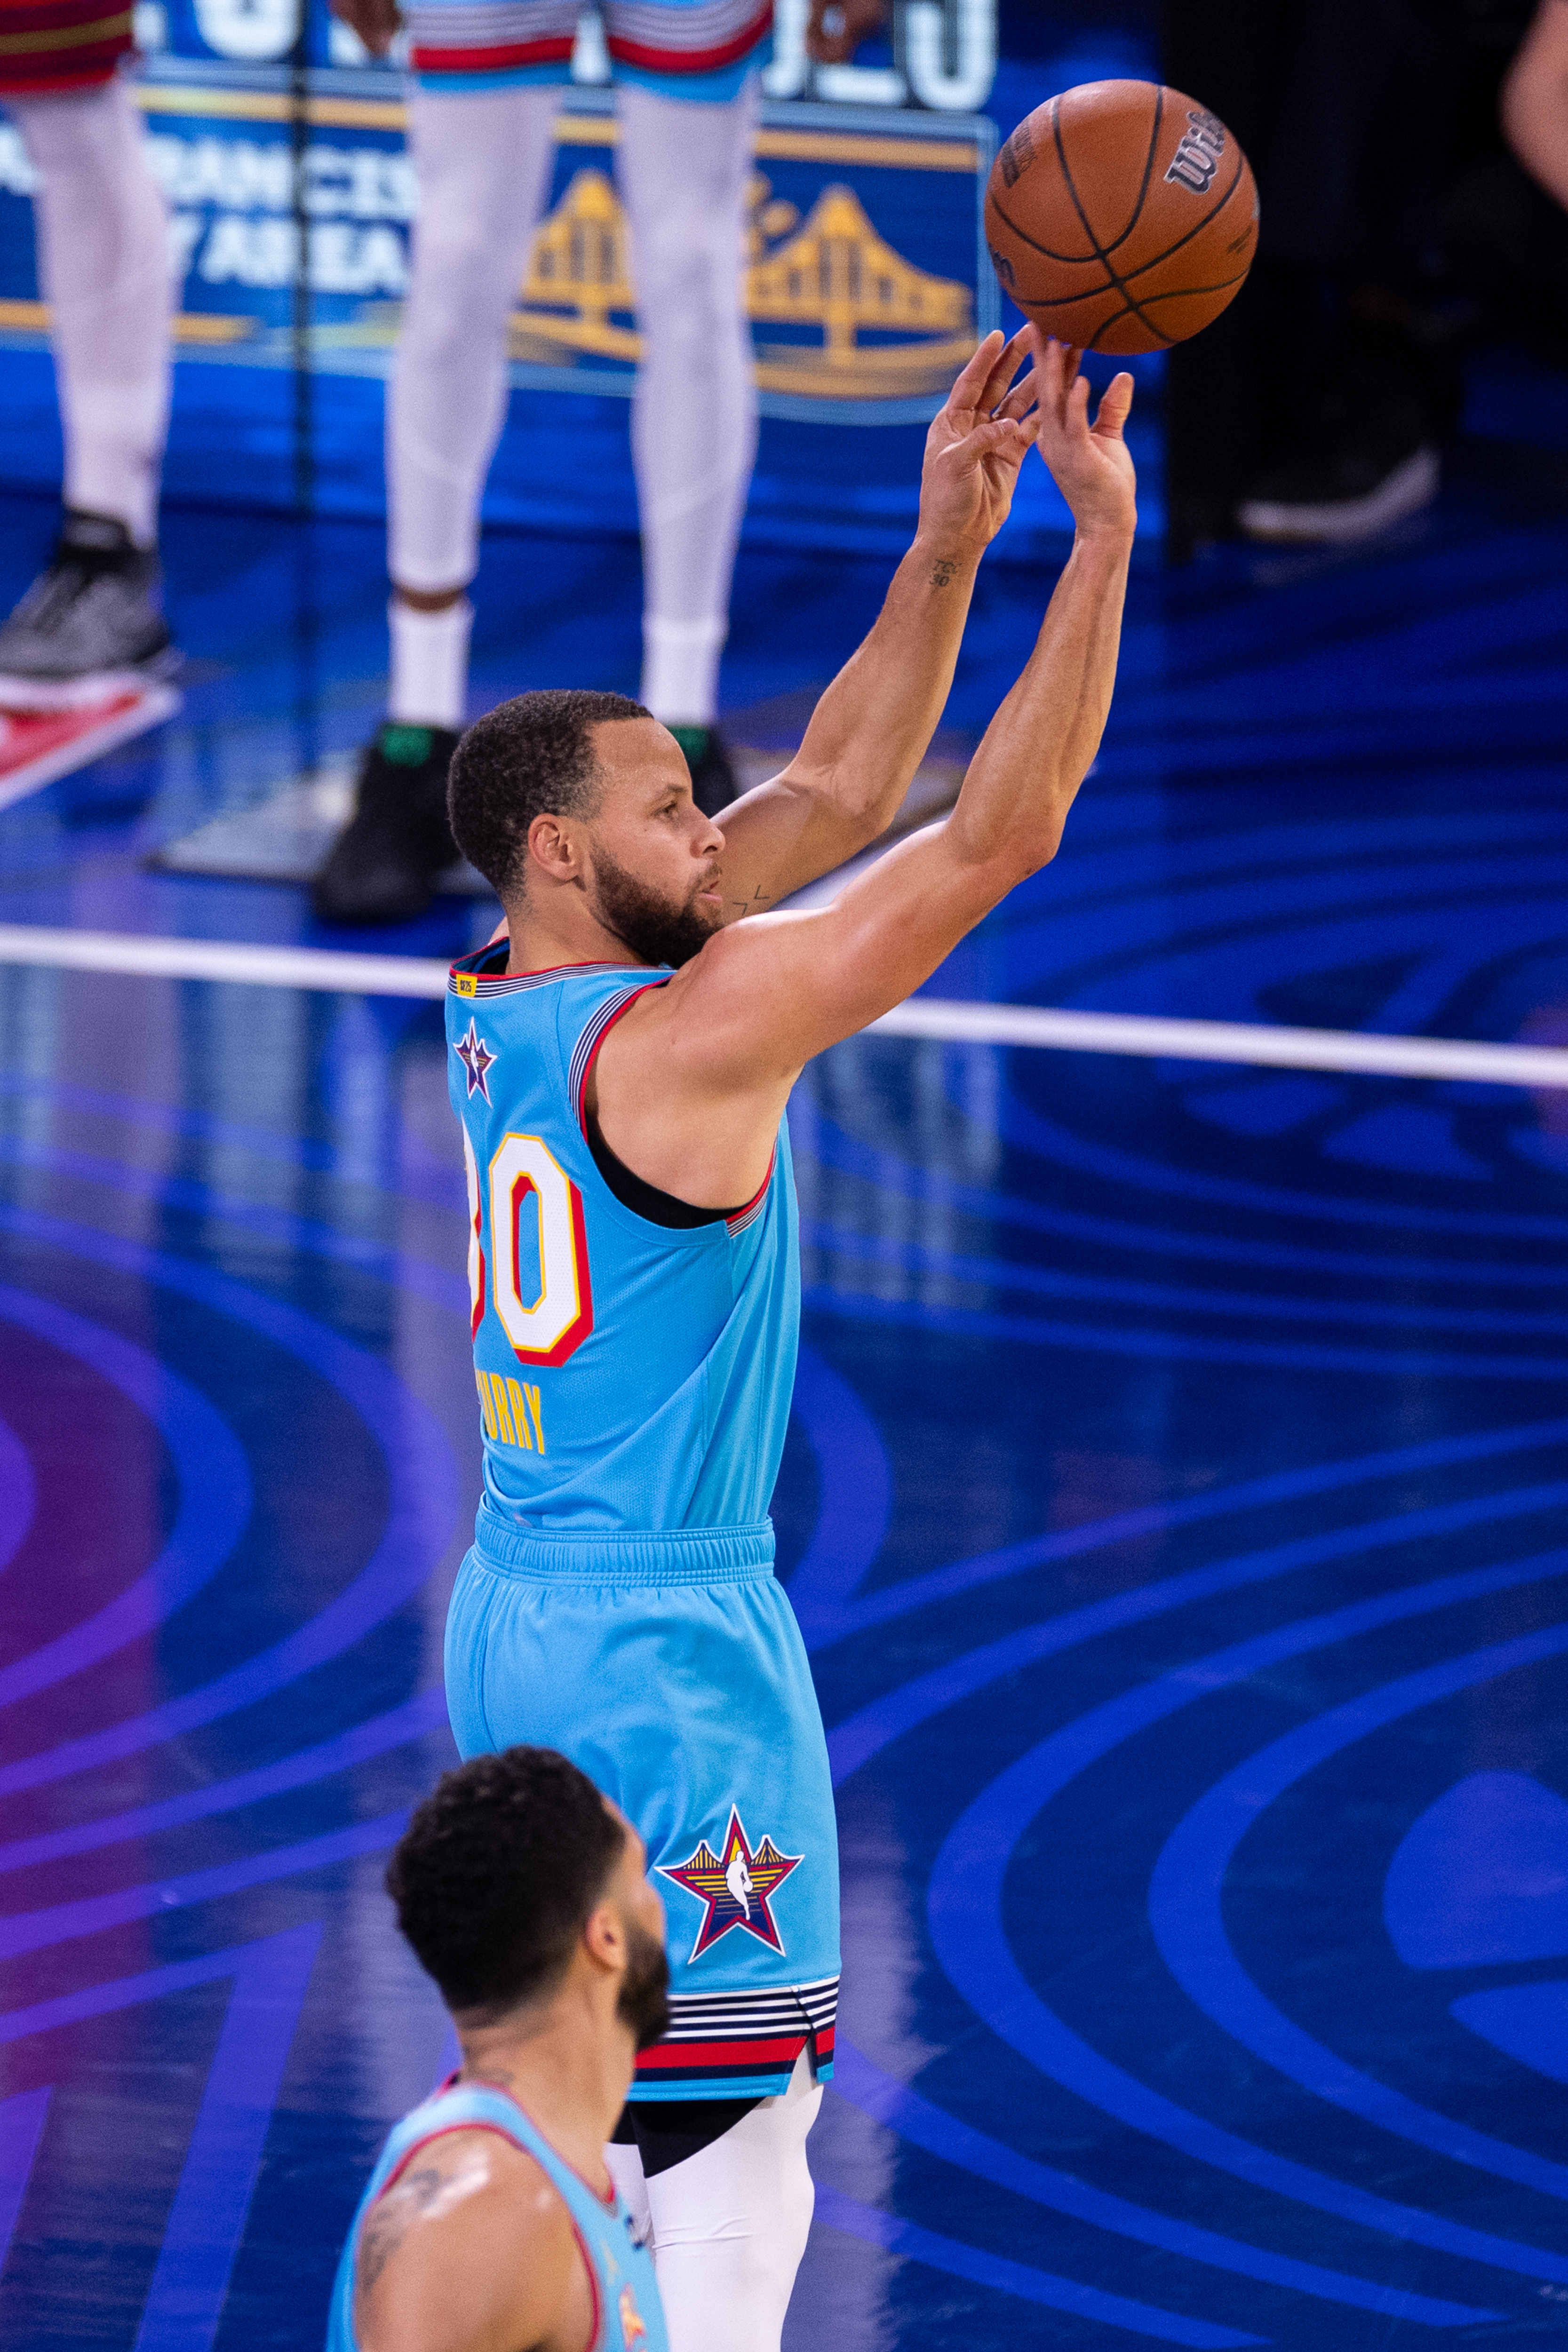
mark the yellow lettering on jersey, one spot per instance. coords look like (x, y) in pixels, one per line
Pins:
(503, 1410)
(531, 1393)
(464, 984)
(486, 1411)
(519, 1414)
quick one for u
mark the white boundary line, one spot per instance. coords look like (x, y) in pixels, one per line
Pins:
(347, 973)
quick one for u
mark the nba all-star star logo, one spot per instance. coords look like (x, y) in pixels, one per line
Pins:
(475, 1058)
(737, 1885)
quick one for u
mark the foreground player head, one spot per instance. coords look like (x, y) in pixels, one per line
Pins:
(577, 810)
(524, 1892)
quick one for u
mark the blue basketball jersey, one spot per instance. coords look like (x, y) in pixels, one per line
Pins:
(632, 1376)
(630, 2317)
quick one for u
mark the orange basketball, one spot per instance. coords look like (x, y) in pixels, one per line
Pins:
(1121, 217)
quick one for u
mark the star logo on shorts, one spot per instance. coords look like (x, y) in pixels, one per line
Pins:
(475, 1058)
(737, 1885)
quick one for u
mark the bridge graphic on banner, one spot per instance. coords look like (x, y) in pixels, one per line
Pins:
(831, 275)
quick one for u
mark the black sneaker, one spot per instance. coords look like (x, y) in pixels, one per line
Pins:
(96, 610)
(384, 865)
(714, 783)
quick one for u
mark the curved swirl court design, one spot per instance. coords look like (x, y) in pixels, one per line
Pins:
(1173, 1509)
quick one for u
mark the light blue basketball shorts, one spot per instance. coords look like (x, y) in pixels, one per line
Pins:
(670, 1669)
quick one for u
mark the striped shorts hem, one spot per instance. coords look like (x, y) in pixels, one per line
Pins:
(740, 2046)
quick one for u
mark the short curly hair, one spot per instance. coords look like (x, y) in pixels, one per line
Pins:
(531, 757)
(496, 1874)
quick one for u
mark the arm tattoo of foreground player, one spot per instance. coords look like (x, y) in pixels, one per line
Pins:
(389, 2218)
(945, 568)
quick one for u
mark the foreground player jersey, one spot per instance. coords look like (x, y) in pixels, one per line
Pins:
(627, 2315)
(631, 1375)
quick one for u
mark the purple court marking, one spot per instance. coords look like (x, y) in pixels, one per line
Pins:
(1026, 1128)
(21, 2129)
(441, 1285)
(853, 1742)
(915, 2244)
(207, 2219)
(888, 2102)
(819, 1138)
(1169, 1346)
(1158, 1518)
(1189, 1929)
(35, 1931)
(995, 1273)
(856, 1498)
(437, 1183)
(964, 1913)
(215, 1496)
(18, 1495)
(422, 1510)
(416, 1719)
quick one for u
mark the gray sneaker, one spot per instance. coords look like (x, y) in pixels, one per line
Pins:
(95, 612)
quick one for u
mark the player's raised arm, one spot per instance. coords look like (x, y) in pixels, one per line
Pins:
(690, 1085)
(872, 727)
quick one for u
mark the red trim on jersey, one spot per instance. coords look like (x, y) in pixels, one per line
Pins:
(443, 2131)
(446, 2132)
(498, 59)
(619, 1013)
(596, 2324)
(735, 1216)
(692, 62)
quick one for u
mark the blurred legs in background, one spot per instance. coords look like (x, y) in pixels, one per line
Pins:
(684, 169)
(1314, 408)
(484, 161)
(102, 245)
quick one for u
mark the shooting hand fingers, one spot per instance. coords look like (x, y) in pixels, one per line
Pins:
(974, 376)
(1007, 363)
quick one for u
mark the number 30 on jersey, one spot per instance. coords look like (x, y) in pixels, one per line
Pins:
(530, 1197)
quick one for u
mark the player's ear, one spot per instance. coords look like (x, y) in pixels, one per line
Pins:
(552, 845)
(605, 1936)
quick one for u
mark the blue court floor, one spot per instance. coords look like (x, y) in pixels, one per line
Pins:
(1174, 1505)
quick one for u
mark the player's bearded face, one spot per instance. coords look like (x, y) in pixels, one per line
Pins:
(656, 929)
(642, 2003)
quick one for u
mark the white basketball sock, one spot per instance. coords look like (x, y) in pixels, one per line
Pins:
(429, 682)
(684, 170)
(103, 267)
(482, 157)
(730, 2224)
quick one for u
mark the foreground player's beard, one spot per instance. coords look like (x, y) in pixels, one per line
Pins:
(642, 2004)
(656, 931)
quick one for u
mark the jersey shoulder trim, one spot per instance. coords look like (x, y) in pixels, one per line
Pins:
(468, 977)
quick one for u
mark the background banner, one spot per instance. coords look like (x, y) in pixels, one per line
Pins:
(279, 149)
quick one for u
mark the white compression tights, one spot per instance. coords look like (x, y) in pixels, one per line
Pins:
(482, 159)
(103, 267)
(729, 2226)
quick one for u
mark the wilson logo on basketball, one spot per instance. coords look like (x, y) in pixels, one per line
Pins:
(1196, 160)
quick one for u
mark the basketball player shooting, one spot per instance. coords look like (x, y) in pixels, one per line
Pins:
(620, 1066)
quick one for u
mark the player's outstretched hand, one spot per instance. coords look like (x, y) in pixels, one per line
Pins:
(376, 21)
(1090, 464)
(977, 444)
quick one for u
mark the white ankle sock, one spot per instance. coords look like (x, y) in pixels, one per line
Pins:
(430, 686)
